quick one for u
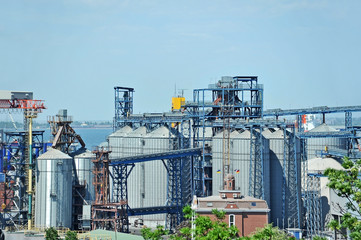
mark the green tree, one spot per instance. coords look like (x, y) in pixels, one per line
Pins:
(71, 235)
(347, 184)
(51, 234)
(269, 233)
(147, 233)
(205, 228)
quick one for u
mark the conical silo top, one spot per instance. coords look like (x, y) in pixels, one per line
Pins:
(235, 134)
(139, 132)
(121, 132)
(245, 134)
(53, 153)
(82, 153)
(267, 133)
(219, 135)
(321, 164)
(323, 128)
(161, 132)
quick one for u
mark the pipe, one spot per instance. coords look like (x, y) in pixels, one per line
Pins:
(30, 173)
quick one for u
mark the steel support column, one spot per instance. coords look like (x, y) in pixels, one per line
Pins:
(256, 182)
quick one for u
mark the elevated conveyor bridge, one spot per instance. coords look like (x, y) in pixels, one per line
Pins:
(176, 164)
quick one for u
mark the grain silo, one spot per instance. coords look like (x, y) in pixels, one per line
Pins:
(116, 146)
(83, 169)
(116, 140)
(330, 203)
(285, 177)
(240, 155)
(133, 145)
(316, 145)
(53, 196)
(155, 174)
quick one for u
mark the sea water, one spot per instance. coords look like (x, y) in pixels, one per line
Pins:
(92, 137)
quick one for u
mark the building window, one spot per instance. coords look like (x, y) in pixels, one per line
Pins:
(232, 219)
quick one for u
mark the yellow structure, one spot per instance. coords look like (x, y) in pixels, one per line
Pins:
(177, 103)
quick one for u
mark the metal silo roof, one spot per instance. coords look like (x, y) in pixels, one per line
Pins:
(139, 132)
(245, 134)
(160, 132)
(235, 134)
(82, 153)
(266, 133)
(323, 128)
(53, 154)
(321, 164)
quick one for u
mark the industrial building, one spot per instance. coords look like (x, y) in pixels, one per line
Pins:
(154, 163)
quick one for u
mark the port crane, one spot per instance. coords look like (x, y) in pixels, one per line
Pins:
(23, 101)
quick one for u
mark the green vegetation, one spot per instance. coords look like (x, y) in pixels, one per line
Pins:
(71, 235)
(147, 233)
(206, 229)
(51, 234)
(268, 233)
(347, 184)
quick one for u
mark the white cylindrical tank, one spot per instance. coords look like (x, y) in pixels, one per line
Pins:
(83, 168)
(280, 166)
(331, 203)
(315, 145)
(155, 174)
(116, 140)
(53, 195)
(239, 150)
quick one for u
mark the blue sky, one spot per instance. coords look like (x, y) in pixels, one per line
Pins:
(71, 53)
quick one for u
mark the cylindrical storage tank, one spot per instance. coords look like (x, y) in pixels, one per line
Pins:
(116, 146)
(282, 173)
(155, 174)
(133, 145)
(329, 200)
(116, 140)
(53, 195)
(83, 169)
(239, 150)
(316, 145)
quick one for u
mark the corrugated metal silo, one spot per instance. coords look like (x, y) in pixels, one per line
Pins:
(240, 146)
(84, 167)
(315, 145)
(133, 145)
(53, 196)
(155, 174)
(330, 202)
(116, 146)
(116, 142)
(278, 152)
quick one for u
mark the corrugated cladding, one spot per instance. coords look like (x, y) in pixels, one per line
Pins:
(240, 146)
(53, 195)
(315, 145)
(277, 149)
(84, 166)
(160, 140)
(147, 183)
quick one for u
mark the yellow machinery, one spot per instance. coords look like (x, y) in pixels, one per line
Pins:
(177, 103)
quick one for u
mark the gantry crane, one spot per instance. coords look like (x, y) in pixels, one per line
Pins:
(23, 101)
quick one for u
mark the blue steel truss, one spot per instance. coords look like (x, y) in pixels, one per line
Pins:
(178, 188)
(256, 168)
(13, 158)
(123, 105)
(239, 97)
(314, 224)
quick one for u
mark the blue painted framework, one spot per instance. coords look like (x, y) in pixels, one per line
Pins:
(176, 161)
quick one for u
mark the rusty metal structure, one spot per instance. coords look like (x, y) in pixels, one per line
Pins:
(106, 214)
(63, 134)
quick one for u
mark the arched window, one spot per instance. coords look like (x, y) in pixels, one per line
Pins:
(232, 219)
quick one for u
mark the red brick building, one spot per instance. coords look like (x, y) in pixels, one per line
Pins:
(246, 213)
